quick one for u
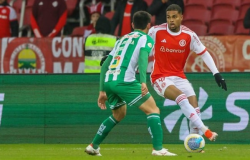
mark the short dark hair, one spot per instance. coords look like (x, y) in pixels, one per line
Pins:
(141, 19)
(174, 7)
(103, 25)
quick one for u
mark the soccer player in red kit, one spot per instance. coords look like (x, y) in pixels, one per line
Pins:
(173, 43)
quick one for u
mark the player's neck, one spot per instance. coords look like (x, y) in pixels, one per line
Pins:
(144, 30)
(177, 32)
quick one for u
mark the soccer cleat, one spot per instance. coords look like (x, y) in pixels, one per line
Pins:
(211, 135)
(91, 151)
(162, 152)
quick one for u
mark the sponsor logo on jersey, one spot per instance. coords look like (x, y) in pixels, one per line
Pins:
(182, 43)
(171, 50)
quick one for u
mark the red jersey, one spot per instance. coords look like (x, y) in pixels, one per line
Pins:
(7, 14)
(172, 49)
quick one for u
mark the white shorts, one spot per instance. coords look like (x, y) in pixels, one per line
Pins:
(184, 85)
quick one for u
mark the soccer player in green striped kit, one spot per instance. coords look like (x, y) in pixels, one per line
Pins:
(119, 86)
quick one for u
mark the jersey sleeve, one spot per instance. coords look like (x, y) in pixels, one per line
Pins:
(196, 45)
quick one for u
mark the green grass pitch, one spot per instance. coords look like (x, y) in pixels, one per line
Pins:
(119, 152)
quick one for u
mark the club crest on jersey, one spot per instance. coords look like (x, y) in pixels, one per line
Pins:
(182, 43)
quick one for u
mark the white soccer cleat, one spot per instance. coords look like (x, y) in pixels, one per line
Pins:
(211, 135)
(91, 151)
(163, 152)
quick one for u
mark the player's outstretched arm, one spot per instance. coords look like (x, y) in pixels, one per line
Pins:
(211, 65)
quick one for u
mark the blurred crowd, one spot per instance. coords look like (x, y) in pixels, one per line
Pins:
(43, 18)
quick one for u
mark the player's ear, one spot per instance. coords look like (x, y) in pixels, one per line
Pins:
(148, 25)
(181, 16)
(133, 25)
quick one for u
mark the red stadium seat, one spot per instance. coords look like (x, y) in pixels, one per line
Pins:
(109, 15)
(17, 5)
(149, 2)
(243, 10)
(71, 5)
(207, 3)
(190, 22)
(234, 3)
(78, 31)
(198, 14)
(239, 28)
(220, 21)
(231, 15)
(199, 29)
(225, 7)
(27, 14)
(185, 2)
(221, 29)
(191, 7)
(245, 2)
(29, 3)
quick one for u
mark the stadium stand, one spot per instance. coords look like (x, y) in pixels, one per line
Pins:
(71, 5)
(226, 15)
(228, 7)
(234, 3)
(78, 31)
(149, 2)
(206, 3)
(199, 29)
(199, 15)
(239, 28)
(109, 15)
(220, 29)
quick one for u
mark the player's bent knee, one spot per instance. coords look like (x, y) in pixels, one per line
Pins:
(120, 113)
(149, 106)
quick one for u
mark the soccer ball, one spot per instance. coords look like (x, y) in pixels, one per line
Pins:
(194, 143)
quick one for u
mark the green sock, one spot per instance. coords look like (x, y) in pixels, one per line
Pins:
(155, 130)
(106, 126)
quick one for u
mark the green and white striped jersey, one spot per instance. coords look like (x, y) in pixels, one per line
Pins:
(125, 56)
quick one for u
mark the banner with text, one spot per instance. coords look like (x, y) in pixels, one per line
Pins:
(65, 55)
(42, 55)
